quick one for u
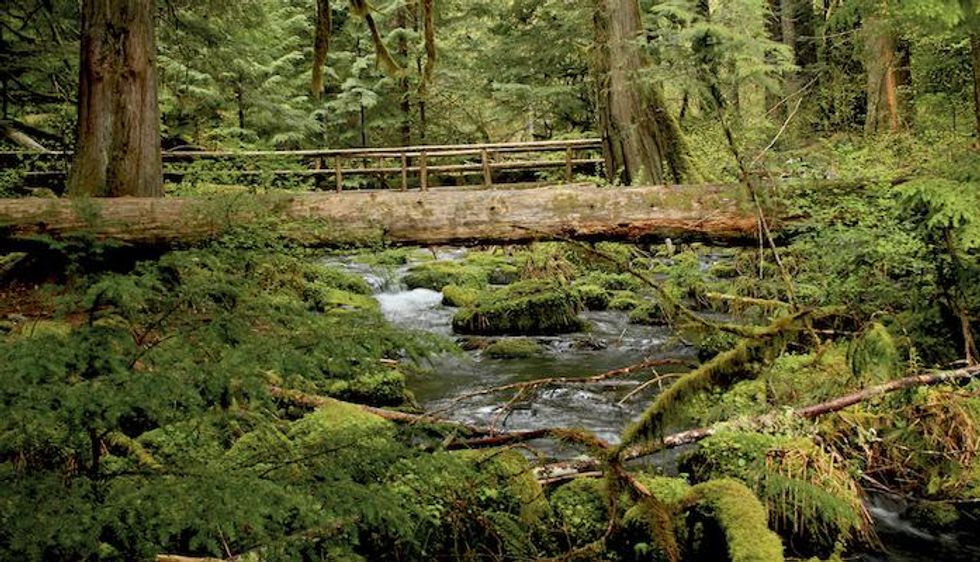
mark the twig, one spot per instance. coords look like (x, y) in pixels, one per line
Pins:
(659, 379)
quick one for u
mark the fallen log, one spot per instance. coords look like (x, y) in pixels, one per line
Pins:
(717, 214)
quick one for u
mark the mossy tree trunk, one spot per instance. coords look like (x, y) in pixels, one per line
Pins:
(797, 32)
(321, 45)
(118, 151)
(642, 141)
(888, 61)
(975, 44)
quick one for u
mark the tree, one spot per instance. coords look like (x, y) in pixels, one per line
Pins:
(642, 141)
(118, 151)
(888, 63)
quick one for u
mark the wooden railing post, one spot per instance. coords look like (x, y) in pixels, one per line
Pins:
(487, 174)
(404, 171)
(423, 171)
(568, 164)
(338, 166)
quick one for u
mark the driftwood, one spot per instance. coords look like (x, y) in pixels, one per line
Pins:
(695, 212)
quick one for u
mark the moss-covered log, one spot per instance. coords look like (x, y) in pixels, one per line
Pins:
(696, 212)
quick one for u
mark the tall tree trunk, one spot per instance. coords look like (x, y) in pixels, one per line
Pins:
(887, 60)
(118, 152)
(321, 45)
(642, 142)
(403, 17)
(975, 42)
(797, 32)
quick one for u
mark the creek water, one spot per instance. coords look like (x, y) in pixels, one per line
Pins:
(611, 343)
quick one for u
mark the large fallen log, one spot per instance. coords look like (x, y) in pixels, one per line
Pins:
(711, 213)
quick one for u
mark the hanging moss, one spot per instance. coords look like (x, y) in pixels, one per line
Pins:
(512, 349)
(729, 509)
(533, 307)
(456, 296)
(592, 297)
(874, 356)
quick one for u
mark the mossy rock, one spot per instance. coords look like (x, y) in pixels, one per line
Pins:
(581, 512)
(937, 517)
(592, 297)
(532, 307)
(724, 270)
(324, 298)
(624, 300)
(337, 279)
(612, 281)
(438, 274)
(456, 296)
(649, 315)
(382, 388)
(715, 343)
(393, 257)
(512, 349)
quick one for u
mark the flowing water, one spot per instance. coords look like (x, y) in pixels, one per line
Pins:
(611, 343)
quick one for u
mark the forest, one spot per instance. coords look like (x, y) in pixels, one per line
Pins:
(490, 280)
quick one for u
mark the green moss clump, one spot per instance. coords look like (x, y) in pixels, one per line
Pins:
(740, 519)
(438, 274)
(612, 281)
(724, 270)
(624, 300)
(532, 307)
(581, 511)
(649, 315)
(811, 498)
(937, 517)
(715, 343)
(383, 388)
(512, 349)
(456, 296)
(512, 469)
(337, 278)
(592, 297)
(324, 298)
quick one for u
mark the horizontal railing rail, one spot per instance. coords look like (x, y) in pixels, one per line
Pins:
(473, 159)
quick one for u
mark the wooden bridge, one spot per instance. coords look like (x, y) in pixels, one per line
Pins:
(414, 167)
(340, 213)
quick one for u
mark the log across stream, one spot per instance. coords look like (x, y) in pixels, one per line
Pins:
(612, 343)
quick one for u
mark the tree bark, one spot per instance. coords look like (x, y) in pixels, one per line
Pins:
(642, 141)
(887, 59)
(717, 214)
(321, 45)
(797, 32)
(118, 150)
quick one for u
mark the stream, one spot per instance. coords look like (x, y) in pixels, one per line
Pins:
(612, 343)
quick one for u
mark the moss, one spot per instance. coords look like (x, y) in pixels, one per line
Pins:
(532, 307)
(511, 468)
(337, 278)
(393, 257)
(324, 298)
(874, 357)
(810, 496)
(382, 388)
(592, 297)
(715, 343)
(438, 274)
(40, 328)
(723, 270)
(649, 315)
(938, 517)
(512, 349)
(624, 300)
(740, 518)
(456, 296)
(612, 281)
(581, 511)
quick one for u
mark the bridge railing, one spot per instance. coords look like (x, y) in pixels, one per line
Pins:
(412, 165)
